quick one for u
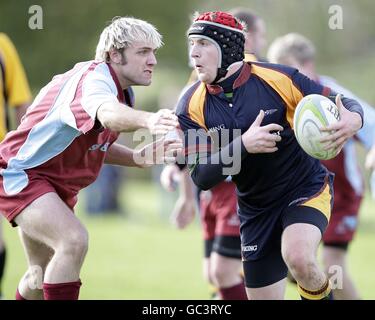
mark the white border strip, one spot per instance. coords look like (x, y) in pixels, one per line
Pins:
(218, 25)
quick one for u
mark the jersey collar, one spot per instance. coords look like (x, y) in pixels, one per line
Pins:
(241, 79)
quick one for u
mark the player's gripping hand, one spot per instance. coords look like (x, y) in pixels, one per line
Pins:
(162, 121)
(340, 132)
(258, 139)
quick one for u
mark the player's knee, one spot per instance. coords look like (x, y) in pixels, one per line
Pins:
(221, 275)
(299, 262)
(217, 275)
(76, 243)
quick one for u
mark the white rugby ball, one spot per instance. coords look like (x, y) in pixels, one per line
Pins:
(314, 112)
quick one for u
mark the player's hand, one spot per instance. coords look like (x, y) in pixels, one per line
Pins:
(183, 212)
(259, 139)
(159, 152)
(162, 121)
(170, 177)
(370, 159)
(341, 131)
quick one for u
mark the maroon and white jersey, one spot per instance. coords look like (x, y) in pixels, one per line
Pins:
(59, 139)
(349, 182)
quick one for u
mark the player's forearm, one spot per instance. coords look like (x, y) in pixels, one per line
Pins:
(211, 169)
(206, 176)
(120, 155)
(121, 118)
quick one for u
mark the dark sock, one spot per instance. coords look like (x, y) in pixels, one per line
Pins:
(237, 292)
(2, 265)
(61, 291)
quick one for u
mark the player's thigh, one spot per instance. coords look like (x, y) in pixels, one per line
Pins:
(304, 225)
(50, 221)
(300, 239)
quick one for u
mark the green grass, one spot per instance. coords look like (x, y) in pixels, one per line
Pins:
(141, 256)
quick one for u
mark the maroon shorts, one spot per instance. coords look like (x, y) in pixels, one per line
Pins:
(219, 211)
(341, 228)
(12, 205)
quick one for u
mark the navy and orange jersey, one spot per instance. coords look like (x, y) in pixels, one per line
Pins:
(263, 178)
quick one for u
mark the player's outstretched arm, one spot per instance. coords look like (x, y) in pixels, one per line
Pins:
(157, 152)
(119, 117)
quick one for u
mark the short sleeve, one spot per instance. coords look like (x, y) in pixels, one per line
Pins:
(93, 88)
(97, 89)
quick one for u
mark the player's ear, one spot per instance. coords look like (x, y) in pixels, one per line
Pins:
(115, 56)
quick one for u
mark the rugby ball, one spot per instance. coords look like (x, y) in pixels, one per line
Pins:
(312, 113)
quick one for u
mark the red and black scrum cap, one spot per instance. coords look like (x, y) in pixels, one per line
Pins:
(226, 32)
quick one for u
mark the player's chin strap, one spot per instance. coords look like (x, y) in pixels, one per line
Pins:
(221, 73)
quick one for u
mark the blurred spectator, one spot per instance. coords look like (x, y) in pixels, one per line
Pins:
(256, 33)
(14, 93)
(297, 51)
(103, 195)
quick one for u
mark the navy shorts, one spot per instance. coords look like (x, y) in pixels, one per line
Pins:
(261, 234)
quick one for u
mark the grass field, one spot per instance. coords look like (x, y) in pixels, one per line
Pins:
(141, 256)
